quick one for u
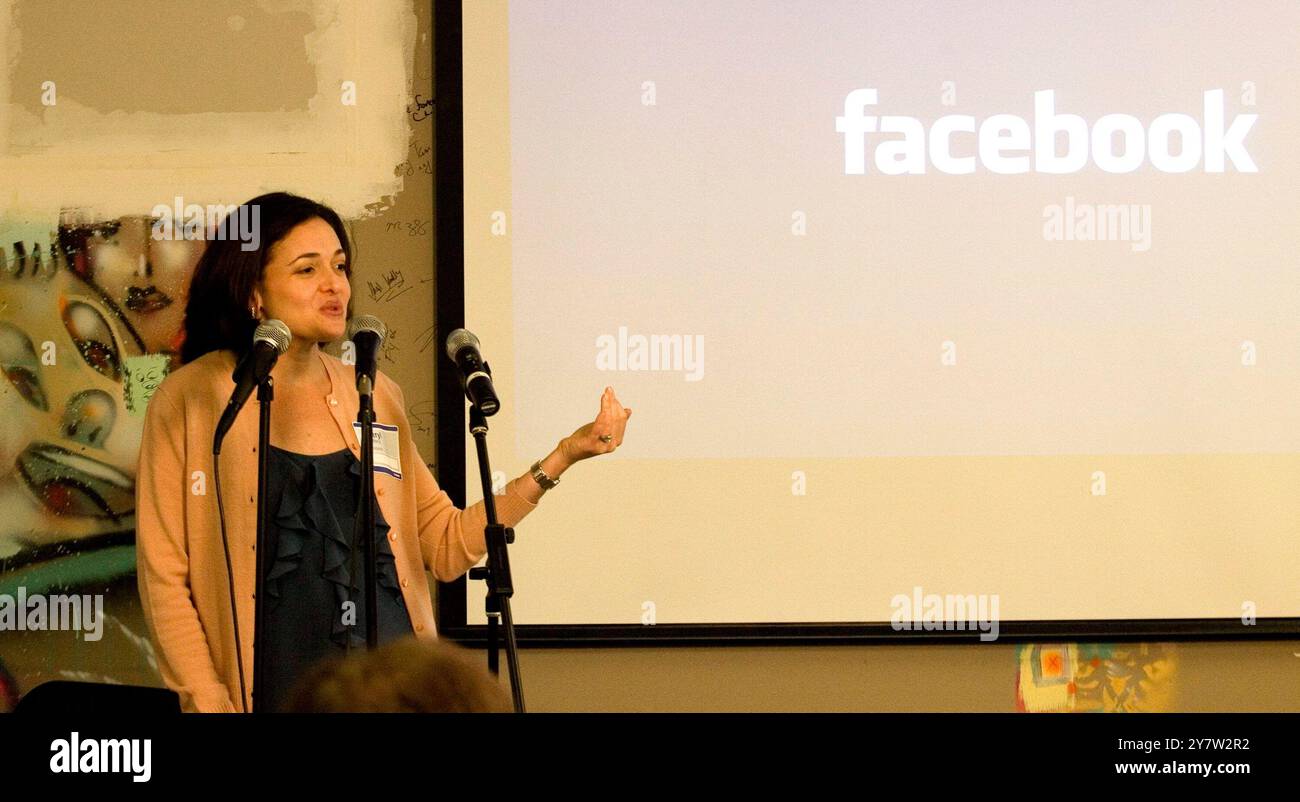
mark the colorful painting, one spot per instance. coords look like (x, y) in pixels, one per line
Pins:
(90, 313)
(1096, 678)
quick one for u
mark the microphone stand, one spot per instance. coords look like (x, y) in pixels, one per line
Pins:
(265, 393)
(366, 417)
(500, 585)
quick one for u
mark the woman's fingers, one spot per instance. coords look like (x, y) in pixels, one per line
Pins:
(612, 419)
(621, 425)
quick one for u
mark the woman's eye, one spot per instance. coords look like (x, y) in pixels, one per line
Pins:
(19, 362)
(93, 338)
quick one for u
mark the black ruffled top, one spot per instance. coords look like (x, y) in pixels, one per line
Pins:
(308, 580)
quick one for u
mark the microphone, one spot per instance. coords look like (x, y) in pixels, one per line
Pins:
(269, 341)
(367, 333)
(476, 376)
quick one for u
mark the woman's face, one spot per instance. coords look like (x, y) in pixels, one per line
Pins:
(74, 339)
(305, 284)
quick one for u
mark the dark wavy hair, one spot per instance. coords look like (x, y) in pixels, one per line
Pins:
(216, 311)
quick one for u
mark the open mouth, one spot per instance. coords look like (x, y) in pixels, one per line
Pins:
(74, 485)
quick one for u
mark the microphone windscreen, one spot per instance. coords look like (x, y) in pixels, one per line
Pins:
(368, 323)
(458, 339)
(275, 333)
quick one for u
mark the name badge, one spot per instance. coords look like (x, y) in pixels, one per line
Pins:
(388, 452)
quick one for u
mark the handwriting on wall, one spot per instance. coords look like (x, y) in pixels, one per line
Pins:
(391, 345)
(421, 109)
(411, 228)
(425, 339)
(421, 415)
(423, 162)
(389, 286)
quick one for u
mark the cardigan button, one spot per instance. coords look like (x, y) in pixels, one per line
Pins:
(334, 401)
(405, 582)
(419, 627)
(392, 536)
(380, 491)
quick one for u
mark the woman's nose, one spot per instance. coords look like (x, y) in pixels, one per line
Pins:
(336, 283)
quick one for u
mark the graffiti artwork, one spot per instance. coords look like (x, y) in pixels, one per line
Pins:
(90, 313)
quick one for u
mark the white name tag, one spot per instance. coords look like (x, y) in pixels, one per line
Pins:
(388, 453)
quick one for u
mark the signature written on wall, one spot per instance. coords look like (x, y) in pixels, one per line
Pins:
(413, 228)
(423, 162)
(389, 286)
(421, 109)
(389, 348)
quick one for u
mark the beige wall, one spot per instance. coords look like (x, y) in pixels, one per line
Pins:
(1208, 677)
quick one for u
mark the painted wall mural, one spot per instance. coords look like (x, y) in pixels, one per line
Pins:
(91, 305)
(1096, 678)
(90, 315)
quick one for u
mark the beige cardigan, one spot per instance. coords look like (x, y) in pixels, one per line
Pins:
(181, 567)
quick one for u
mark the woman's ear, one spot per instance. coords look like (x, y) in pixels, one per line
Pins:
(255, 308)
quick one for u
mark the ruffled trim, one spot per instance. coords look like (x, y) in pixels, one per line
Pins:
(304, 511)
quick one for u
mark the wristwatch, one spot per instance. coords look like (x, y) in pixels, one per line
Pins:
(541, 478)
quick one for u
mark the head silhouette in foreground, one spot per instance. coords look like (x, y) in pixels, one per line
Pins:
(410, 675)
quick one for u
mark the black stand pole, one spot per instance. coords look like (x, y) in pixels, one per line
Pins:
(500, 585)
(265, 393)
(366, 417)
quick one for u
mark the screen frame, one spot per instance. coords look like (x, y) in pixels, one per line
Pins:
(451, 600)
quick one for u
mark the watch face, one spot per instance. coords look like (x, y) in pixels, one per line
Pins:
(542, 479)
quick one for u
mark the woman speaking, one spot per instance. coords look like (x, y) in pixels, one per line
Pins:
(299, 273)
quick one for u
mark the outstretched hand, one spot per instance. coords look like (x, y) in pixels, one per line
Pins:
(610, 423)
